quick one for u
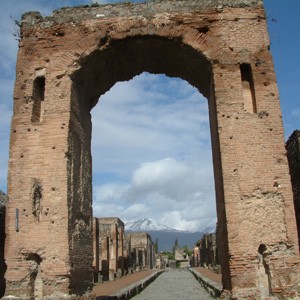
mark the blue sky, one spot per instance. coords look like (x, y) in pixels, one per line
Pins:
(167, 117)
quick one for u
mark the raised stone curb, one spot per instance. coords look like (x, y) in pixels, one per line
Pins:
(215, 289)
(133, 289)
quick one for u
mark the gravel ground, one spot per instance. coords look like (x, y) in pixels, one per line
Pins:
(174, 284)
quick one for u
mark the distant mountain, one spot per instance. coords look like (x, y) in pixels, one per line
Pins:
(165, 235)
(209, 230)
(147, 225)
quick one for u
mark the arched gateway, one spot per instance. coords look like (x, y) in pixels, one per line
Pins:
(68, 60)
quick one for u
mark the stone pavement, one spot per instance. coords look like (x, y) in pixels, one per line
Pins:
(124, 287)
(174, 284)
(211, 281)
(209, 274)
(130, 285)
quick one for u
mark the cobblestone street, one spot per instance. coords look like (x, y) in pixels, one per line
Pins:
(174, 284)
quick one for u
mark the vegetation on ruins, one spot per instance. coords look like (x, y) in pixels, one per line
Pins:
(170, 255)
(187, 250)
(156, 246)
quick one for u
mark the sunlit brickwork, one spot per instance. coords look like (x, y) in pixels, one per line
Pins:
(68, 60)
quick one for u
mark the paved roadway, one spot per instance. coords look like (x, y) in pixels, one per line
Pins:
(174, 284)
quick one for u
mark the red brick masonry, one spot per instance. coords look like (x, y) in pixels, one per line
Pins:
(210, 274)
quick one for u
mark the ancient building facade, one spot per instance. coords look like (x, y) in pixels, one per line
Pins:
(195, 262)
(68, 60)
(108, 245)
(141, 251)
(293, 152)
(208, 251)
(182, 259)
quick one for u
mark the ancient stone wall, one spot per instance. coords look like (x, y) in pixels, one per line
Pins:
(206, 252)
(108, 248)
(209, 256)
(142, 254)
(182, 259)
(293, 152)
(68, 60)
(195, 261)
(3, 200)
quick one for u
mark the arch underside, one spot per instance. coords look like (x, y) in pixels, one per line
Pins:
(124, 59)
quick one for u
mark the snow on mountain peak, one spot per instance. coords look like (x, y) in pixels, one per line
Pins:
(146, 225)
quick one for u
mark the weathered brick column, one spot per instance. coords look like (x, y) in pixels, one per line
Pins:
(293, 151)
(49, 217)
(3, 200)
(67, 61)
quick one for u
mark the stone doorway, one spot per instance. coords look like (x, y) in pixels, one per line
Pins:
(67, 61)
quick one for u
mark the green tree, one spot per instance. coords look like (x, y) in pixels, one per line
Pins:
(156, 246)
(187, 250)
(175, 245)
(169, 254)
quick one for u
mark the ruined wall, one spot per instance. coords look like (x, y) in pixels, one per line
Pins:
(293, 152)
(68, 60)
(109, 250)
(209, 256)
(96, 250)
(3, 200)
(142, 254)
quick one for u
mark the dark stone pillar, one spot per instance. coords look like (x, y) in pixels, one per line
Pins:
(3, 198)
(293, 153)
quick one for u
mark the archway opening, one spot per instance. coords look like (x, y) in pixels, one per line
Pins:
(121, 61)
(152, 154)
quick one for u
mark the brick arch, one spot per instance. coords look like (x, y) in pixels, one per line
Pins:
(131, 56)
(80, 53)
(97, 72)
(164, 26)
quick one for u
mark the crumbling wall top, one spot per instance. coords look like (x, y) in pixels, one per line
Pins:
(126, 9)
(294, 138)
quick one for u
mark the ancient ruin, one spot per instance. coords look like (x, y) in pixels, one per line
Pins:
(293, 152)
(141, 253)
(3, 200)
(68, 60)
(116, 253)
(205, 252)
(108, 241)
(181, 258)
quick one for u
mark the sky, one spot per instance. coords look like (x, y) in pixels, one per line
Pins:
(151, 139)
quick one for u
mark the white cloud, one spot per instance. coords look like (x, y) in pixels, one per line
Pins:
(107, 209)
(152, 134)
(107, 192)
(168, 177)
(167, 191)
(141, 119)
